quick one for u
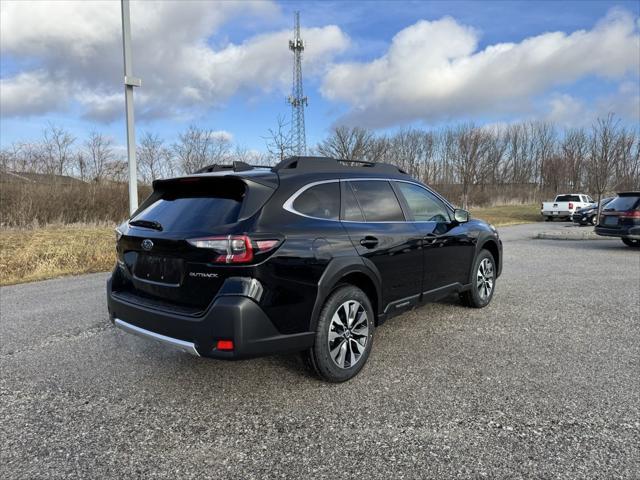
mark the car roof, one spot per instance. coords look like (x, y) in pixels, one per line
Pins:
(302, 169)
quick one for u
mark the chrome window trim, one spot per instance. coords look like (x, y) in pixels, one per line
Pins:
(288, 204)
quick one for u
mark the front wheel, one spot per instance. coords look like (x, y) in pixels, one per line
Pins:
(483, 281)
(344, 335)
(631, 243)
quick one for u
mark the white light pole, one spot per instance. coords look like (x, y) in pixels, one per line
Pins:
(129, 82)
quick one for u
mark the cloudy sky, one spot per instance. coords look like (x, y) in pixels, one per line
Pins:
(377, 64)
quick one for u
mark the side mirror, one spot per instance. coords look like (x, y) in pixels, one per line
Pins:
(460, 215)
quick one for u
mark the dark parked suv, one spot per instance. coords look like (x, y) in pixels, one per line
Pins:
(621, 218)
(310, 255)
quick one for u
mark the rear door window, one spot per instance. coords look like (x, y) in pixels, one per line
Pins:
(377, 201)
(320, 201)
(184, 208)
(424, 206)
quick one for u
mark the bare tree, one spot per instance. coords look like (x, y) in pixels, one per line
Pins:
(99, 153)
(279, 142)
(348, 143)
(574, 150)
(603, 153)
(154, 158)
(56, 148)
(473, 145)
(198, 148)
(81, 164)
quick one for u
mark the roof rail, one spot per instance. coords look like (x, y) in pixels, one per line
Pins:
(322, 164)
(235, 166)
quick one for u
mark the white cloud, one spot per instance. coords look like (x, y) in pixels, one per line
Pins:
(32, 92)
(433, 71)
(79, 43)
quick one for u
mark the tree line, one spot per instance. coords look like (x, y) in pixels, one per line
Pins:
(534, 155)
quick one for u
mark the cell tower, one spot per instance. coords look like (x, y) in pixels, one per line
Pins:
(297, 99)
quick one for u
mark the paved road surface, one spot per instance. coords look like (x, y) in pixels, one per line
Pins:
(543, 383)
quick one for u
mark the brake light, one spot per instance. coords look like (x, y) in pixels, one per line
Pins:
(234, 248)
(630, 214)
(570, 205)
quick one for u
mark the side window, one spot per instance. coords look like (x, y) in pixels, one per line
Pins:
(320, 201)
(424, 206)
(378, 201)
(350, 208)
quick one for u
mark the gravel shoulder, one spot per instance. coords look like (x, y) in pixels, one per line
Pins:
(542, 383)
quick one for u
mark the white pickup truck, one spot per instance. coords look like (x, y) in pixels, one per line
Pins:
(564, 205)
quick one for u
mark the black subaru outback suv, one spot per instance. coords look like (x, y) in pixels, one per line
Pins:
(310, 255)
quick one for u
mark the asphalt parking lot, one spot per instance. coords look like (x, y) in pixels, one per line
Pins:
(542, 383)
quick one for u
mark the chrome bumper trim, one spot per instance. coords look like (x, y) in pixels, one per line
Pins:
(174, 342)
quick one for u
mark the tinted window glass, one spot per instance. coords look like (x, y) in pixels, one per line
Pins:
(378, 201)
(320, 201)
(182, 211)
(350, 208)
(621, 204)
(568, 198)
(424, 206)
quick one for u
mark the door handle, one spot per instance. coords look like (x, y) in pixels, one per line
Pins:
(369, 242)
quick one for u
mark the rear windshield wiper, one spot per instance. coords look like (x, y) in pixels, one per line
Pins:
(146, 224)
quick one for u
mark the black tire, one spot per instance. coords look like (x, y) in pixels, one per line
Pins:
(473, 297)
(631, 243)
(548, 219)
(320, 358)
(593, 220)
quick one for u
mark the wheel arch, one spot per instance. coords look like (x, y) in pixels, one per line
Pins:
(348, 270)
(492, 247)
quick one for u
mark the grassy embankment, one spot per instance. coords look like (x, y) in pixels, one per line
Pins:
(32, 254)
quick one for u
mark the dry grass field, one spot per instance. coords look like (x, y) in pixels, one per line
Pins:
(508, 214)
(30, 254)
(33, 254)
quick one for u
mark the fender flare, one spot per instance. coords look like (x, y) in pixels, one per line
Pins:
(338, 268)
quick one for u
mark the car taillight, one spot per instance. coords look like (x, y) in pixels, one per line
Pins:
(630, 214)
(234, 248)
(570, 205)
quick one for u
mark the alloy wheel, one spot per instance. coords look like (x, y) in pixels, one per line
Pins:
(485, 279)
(348, 334)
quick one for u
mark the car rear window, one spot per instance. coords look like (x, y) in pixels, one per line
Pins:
(200, 206)
(568, 198)
(320, 201)
(621, 204)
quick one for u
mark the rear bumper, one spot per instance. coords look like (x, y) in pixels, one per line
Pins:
(625, 232)
(229, 317)
(556, 213)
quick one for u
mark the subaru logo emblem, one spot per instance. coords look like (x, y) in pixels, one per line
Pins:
(147, 244)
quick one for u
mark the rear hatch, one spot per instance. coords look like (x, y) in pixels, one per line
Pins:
(172, 253)
(622, 212)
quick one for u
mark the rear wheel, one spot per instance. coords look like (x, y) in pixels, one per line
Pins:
(344, 335)
(548, 219)
(631, 243)
(483, 281)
